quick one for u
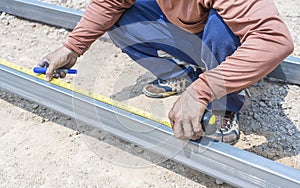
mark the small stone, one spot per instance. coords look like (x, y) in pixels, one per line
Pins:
(62, 30)
(46, 31)
(203, 183)
(219, 182)
(139, 150)
(291, 132)
(255, 116)
(3, 15)
(34, 106)
(262, 104)
(101, 137)
(7, 22)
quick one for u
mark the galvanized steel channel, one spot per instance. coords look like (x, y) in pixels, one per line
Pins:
(42, 12)
(288, 70)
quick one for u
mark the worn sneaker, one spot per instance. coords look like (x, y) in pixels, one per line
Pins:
(163, 88)
(229, 129)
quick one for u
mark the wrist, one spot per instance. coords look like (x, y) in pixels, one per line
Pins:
(195, 92)
(71, 51)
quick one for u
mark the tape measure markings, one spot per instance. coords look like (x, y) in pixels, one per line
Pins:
(87, 93)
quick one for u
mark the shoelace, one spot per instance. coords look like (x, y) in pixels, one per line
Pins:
(176, 83)
(227, 121)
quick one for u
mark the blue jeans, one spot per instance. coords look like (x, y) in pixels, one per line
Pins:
(143, 32)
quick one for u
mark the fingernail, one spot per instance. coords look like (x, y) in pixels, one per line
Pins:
(47, 78)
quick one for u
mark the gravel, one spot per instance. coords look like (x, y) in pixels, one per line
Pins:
(270, 114)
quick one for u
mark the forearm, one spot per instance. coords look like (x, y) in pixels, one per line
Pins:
(98, 18)
(265, 43)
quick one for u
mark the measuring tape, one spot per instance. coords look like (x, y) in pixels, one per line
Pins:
(87, 93)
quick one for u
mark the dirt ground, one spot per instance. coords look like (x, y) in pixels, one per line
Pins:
(42, 148)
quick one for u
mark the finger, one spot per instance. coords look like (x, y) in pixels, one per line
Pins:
(172, 122)
(43, 63)
(198, 131)
(56, 75)
(195, 137)
(178, 131)
(49, 73)
(188, 130)
(171, 117)
(62, 74)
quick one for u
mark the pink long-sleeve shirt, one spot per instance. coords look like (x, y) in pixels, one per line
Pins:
(265, 39)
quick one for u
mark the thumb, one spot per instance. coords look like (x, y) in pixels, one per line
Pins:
(50, 72)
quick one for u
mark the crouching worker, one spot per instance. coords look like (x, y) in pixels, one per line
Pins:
(207, 51)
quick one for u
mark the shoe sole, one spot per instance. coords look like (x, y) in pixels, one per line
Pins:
(220, 138)
(160, 95)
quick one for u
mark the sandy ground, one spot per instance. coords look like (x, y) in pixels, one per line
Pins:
(40, 147)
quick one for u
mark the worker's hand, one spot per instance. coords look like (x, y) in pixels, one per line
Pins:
(185, 117)
(61, 58)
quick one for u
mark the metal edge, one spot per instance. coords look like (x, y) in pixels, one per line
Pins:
(42, 12)
(288, 70)
(219, 160)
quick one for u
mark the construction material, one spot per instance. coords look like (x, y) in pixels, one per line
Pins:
(288, 70)
(42, 12)
(219, 160)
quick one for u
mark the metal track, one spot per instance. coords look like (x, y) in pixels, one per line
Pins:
(219, 160)
(42, 12)
(288, 70)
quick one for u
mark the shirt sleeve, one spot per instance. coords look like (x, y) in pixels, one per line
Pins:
(98, 18)
(265, 42)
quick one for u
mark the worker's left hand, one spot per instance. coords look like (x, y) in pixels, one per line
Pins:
(185, 117)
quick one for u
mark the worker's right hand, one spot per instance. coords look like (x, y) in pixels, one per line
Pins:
(61, 58)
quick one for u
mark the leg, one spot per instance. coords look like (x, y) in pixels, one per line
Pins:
(145, 34)
(218, 43)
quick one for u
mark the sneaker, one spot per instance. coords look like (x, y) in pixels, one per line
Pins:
(164, 88)
(229, 130)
